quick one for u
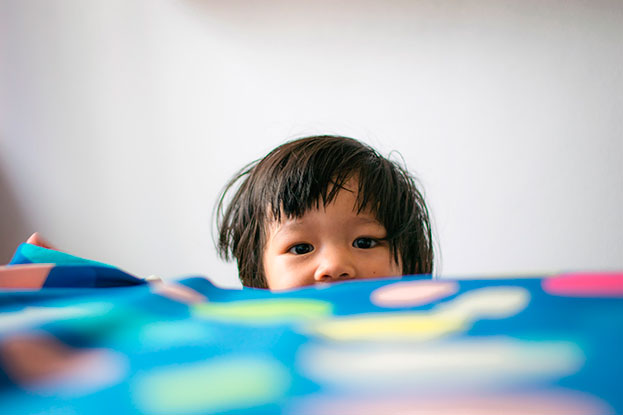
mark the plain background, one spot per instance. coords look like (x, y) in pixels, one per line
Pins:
(121, 120)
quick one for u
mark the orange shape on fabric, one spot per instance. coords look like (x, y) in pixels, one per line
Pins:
(42, 364)
(597, 284)
(27, 276)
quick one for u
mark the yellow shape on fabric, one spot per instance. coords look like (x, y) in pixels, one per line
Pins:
(388, 326)
(265, 311)
(453, 316)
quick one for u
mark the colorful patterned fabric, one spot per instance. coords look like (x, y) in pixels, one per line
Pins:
(87, 338)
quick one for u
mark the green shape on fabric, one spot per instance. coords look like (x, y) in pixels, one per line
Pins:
(265, 311)
(216, 385)
(39, 255)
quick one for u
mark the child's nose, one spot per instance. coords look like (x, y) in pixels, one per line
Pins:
(334, 265)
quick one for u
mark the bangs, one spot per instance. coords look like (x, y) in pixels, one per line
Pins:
(313, 177)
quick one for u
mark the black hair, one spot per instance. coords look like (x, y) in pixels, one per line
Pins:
(301, 174)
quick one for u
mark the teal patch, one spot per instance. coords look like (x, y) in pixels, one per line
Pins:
(28, 253)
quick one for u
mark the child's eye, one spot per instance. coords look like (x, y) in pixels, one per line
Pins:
(301, 249)
(365, 243)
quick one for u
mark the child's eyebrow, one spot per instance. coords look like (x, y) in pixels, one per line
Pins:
(364, 221)
(292, 225)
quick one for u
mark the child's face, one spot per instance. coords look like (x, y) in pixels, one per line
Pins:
(328, 244)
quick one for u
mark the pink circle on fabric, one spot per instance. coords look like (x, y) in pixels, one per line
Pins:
(177, 292)
(597, 284)
(412, 293)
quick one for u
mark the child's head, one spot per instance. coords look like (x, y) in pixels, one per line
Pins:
(323, 208)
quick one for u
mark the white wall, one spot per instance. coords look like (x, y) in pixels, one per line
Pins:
(121, 120)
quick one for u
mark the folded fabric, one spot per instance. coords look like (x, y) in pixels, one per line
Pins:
(35, 267)
(410, 345)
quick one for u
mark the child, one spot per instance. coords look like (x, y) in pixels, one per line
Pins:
(323, 209)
